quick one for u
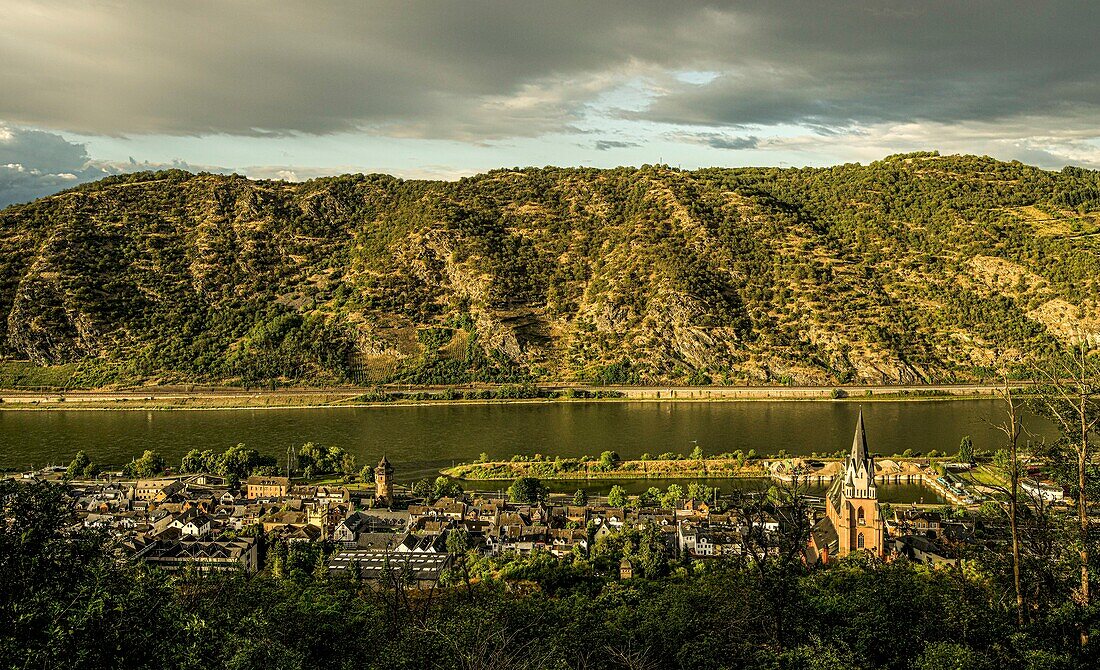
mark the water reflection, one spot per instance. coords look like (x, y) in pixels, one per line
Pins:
(421, 439)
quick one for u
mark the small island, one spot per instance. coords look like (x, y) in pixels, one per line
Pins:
(932, 470)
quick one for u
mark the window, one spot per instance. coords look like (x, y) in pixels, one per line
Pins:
(859, 541)
(860, 518)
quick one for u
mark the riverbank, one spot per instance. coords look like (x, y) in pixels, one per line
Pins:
(177, 398)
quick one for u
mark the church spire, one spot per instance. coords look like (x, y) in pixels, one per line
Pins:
(860, 453)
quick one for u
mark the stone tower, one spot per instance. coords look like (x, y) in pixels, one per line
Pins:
(852, 503)
(383, 482)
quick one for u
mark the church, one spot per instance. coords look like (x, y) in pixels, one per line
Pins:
(852, 521)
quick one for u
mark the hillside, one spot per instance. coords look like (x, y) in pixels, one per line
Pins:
(913, 268)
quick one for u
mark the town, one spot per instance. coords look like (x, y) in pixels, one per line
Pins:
(199, 521)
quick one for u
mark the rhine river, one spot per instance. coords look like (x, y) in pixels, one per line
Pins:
(421, 439)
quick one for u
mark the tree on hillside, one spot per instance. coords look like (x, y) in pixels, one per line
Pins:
(644, 547)
(67, 601)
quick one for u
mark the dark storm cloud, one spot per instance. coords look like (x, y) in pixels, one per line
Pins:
(481, 70)
(605, 145)
(468, 70)
(719, 140)
(832, 66)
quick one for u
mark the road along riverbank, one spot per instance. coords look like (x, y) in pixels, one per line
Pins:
(175, 397)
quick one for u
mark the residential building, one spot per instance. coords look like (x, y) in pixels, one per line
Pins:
(266, 487)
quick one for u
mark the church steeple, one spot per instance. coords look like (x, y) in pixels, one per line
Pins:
(851, 506)
(860, 453)
(859, 467)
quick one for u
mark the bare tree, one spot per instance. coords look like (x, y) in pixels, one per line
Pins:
(404, 594)
(633, 656)
(786, 505)
(496, 646)
(1070, 396)
(778, 556)
(1011, 427)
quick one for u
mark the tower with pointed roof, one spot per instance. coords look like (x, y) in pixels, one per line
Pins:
(851, 506)
(383, 482)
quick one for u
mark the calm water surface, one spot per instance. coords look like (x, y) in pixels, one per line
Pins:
(420, 440)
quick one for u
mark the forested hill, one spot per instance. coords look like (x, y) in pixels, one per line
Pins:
(916, 267)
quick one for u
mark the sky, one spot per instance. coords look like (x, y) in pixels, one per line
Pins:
(444, 89)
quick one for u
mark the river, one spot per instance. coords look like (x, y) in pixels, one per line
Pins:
(421, 439)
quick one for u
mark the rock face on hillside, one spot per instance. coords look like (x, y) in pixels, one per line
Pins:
(914, 268)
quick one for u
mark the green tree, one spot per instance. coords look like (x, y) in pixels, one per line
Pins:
(609, 460)
(673, 496)
(347, 464)
(366, 475)
(151, 464)
(580, 498)
(700, 492)
(78, 465)
(192, 461)
(617, 496)
(445, 487)
(966, 450)
(316, 460)
(47, 560)
(241, 462)
(422, 488)
(527, 490)
(942, 655)
(645, 548)
(651, 497)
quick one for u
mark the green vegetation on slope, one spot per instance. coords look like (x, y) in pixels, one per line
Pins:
(913, 268)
